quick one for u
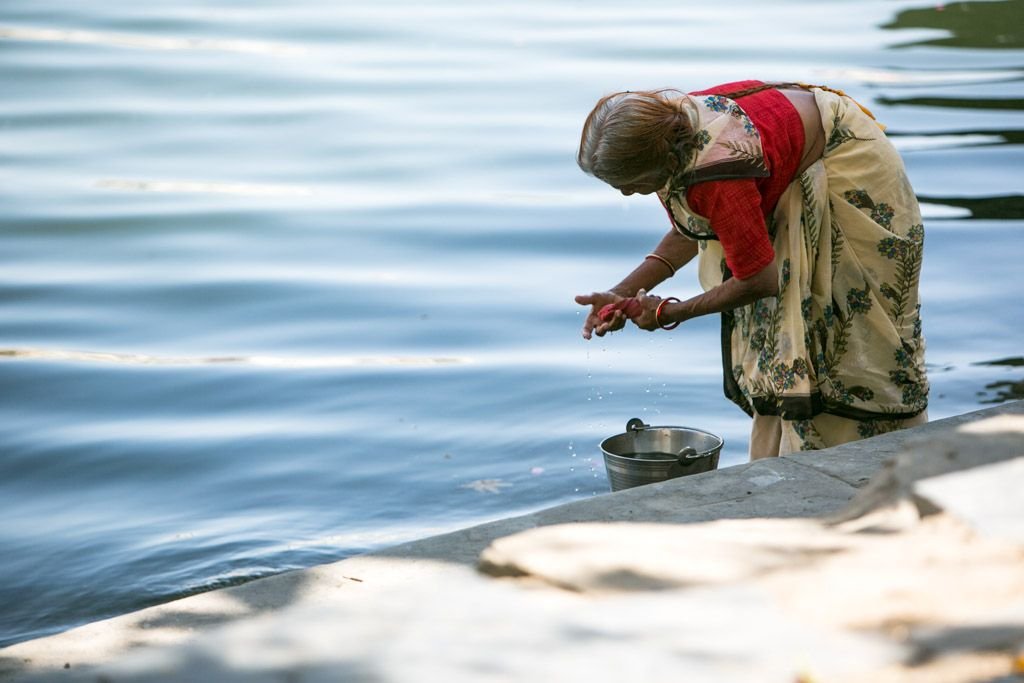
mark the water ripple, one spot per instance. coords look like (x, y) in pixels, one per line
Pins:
(258, 361)
(916, 77)
(145, 42)
(245, 189)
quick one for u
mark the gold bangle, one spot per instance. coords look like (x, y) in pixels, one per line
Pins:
(664, 260)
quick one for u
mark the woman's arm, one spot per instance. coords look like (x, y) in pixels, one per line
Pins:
(731, 294)
(673, 247)
(734, 210)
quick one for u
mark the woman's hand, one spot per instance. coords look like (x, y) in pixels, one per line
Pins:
(594, 324)
(647, 318)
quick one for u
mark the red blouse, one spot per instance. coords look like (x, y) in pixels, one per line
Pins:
(737, 208)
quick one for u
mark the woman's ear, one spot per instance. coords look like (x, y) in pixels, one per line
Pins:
(672, 163)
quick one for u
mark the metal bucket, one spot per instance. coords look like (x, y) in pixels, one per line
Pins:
(646, 454)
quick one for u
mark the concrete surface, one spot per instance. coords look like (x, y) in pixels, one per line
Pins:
(871, 561)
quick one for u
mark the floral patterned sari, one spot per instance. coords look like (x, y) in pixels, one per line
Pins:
(838, 354)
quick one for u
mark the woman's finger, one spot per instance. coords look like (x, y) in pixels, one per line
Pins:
(592, 299)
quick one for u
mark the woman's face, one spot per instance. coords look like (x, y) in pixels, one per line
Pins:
(650, 182)
(646, 183)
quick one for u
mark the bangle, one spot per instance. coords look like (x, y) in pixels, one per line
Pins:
(664, 260)
(657, 314)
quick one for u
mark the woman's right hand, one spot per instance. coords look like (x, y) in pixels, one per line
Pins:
(593, 324)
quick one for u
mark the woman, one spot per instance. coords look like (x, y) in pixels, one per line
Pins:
(809, 239)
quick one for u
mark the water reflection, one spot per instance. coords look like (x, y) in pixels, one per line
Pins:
(1004, 390)
(1008, 207)
(982, 25)
(973, 102)
(995, 25)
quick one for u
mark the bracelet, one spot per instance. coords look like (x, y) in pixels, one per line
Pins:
(657, 314)
(664, 260)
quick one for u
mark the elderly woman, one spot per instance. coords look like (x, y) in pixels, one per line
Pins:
(809, 239)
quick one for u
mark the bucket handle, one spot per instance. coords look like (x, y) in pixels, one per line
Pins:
(688, 453)
(636, 425)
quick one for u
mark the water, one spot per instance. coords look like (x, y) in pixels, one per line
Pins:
(650, 455)
(285, 282)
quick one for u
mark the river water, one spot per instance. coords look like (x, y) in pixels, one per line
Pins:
(285, 282)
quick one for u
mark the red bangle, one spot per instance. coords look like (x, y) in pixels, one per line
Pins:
(657, 314)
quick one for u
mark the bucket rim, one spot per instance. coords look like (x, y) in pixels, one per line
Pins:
(700, 454)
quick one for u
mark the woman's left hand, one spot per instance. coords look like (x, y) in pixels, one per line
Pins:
(647, 319)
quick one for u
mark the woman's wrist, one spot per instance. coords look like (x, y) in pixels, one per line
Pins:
(624, 292)
(666, 315)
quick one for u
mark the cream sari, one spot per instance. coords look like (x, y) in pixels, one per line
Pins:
(838, 354)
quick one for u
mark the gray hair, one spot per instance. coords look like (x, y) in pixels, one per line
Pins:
(630, 134)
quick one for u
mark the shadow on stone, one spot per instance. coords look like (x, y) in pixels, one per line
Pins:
(929, 644)
(266, 595)
(10, 666)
